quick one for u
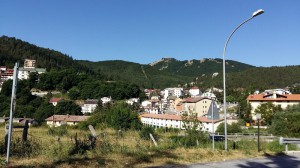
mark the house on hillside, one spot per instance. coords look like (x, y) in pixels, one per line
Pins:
(29, 63)
(277, 97)
(54, 100)
(58, 120)
(89, 106)
(178, 92)
(6, 73)
(209, 95)
(195, 91)
(24, 72)
(106, 100)
(133, 100)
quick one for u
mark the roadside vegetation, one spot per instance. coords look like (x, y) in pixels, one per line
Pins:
(72, 147)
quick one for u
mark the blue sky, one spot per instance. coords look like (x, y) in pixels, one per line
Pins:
(145, 31)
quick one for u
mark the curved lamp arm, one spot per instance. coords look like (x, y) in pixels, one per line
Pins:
(256, 13)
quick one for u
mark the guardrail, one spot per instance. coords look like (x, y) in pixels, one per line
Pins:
(253, 136)
(287, 141)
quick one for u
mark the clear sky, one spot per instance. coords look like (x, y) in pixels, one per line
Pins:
(145, 31)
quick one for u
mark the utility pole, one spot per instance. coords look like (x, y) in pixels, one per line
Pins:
(12, 108)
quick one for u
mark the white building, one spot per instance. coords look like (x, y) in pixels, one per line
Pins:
(175, 121)
(146, 103)
(277, 97)
(194, 91)
(29, 67)
(209, 95)
(178, 92)
(24, 72)
(106, 100)
(29, 63)
(89, 106)
(133, 100)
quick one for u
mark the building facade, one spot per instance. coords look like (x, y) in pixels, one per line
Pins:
(176, 121)
(276, 97)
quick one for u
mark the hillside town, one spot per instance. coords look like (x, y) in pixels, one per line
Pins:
(162, 107)
(150, 84)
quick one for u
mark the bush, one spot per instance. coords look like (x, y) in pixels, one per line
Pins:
(286, 124)
(58, 131)
(274, 146)
(231, 128)
(59, 151)
(145, 133)
(81, 146)
(21, 148)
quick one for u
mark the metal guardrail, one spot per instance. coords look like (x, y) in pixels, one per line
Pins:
(287, 141)
(240, 136)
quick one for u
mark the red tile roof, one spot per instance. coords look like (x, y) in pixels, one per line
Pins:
(262, 97)
(193, 100)
(67, 118)
(54, 99)
(175, 117)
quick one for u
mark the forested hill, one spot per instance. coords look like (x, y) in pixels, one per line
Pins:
(258, 78)
(195, 68)
(144, 75)
(14, 50)
(167, 72)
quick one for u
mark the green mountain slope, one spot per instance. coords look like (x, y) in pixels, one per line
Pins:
(167, 72)
(14, 50)
(195, 68)
(261, 77)
(143, 75)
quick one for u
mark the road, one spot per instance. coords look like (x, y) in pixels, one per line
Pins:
(291, 160)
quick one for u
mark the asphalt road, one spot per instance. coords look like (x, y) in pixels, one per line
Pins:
(291, 160)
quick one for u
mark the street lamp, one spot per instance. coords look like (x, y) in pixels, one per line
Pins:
(256, 13)
(258, 117)
(213, 124)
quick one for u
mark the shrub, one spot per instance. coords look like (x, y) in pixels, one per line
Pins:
(59, 151)
(21, 148)
(58, 131)
(144, 133)
(81, 146)
(231, 128)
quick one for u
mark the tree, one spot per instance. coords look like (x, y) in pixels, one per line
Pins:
(267, 111)
(193, 129)
(99, 105)
(74, 93)
(44, 111)
(33, 79)
(6, 88)
(120, 116)
(67, 107)
(231, 128)
(287, 123)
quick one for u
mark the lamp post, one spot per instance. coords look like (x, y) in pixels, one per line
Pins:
(256, 13)
(213, 125)
(258, 117)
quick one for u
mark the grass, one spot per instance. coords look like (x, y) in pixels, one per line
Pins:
(126, 149)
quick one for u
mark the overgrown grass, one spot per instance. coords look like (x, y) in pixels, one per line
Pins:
(121, 148)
